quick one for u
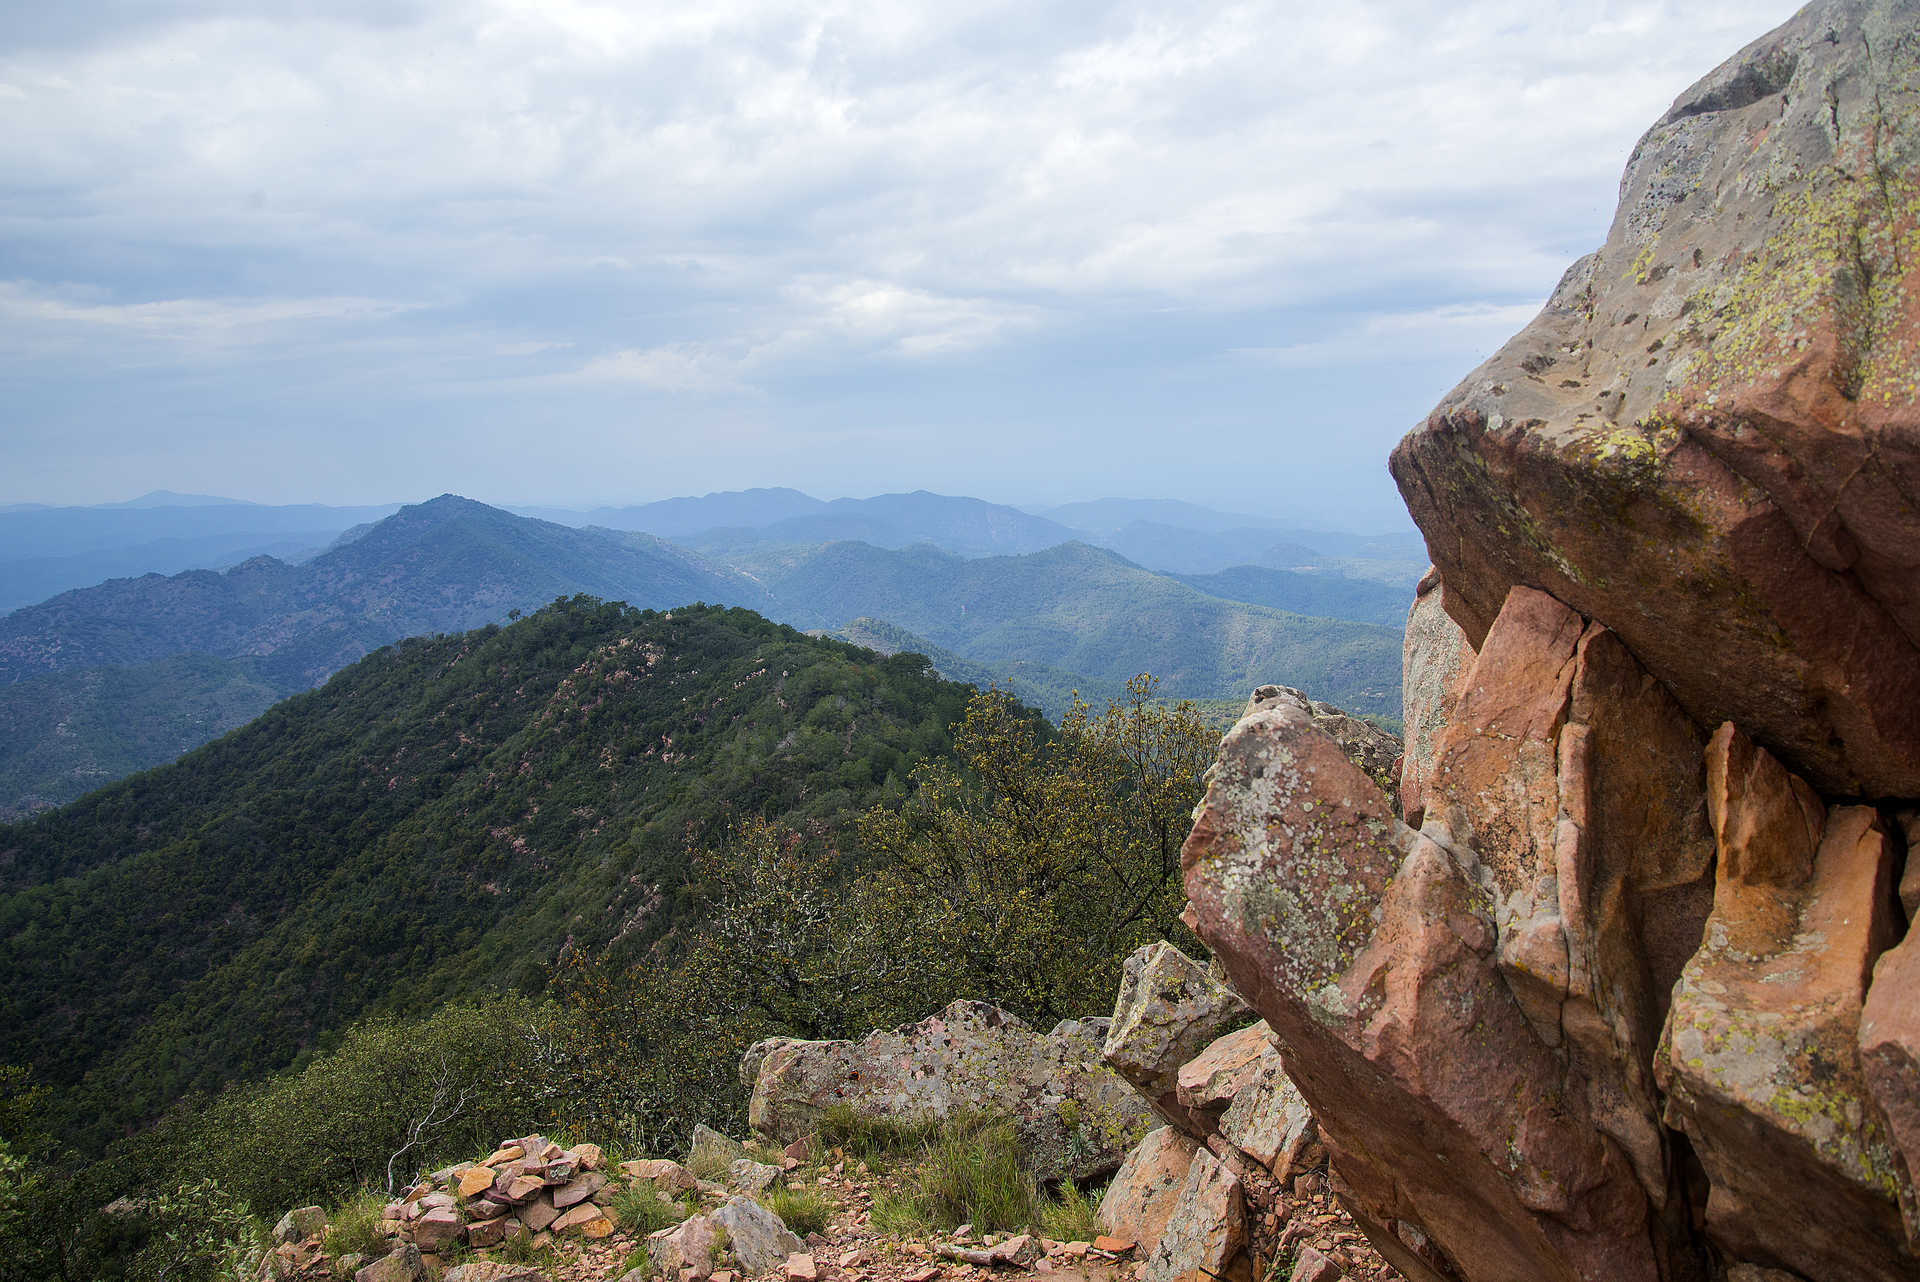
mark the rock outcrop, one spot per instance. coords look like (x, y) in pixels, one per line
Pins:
(1075, 1117)
(1707, 439)
(1635, 998)
(1231, 1185)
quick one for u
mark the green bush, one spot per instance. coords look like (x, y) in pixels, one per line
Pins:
(354, 1228)
(390, 1101)
(200, 1233)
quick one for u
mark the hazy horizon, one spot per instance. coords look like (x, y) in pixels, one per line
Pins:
(581, 255)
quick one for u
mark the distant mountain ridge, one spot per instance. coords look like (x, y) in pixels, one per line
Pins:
(1046, 623)
(443, 566)
(48, 550)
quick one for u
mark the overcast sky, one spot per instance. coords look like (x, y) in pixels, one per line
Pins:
(573, 252)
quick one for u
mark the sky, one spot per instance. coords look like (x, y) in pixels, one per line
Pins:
(576, 253)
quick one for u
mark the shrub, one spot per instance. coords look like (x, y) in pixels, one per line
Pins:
(1070, 1215)
(354, 1228)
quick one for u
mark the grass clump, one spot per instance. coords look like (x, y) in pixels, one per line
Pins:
(640, 1210)
(1071, 1215)
(354, 1229)
(802, 1210)
(969, 1171)
(876, 1139)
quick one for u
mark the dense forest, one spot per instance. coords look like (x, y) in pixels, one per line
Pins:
(567, 870)
(437, 820)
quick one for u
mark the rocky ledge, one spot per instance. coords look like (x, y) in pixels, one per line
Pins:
(1622, 985)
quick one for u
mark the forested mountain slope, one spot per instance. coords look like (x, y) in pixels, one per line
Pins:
(442, 566)
(439, 818)
(1089, 615)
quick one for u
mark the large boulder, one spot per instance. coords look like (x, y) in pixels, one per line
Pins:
(1709, 440)
(1168, 1010)
(1205, 1234)
(1373, 954)
(1076, 1118)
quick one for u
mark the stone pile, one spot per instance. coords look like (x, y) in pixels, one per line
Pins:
(1622, 984)
(527, 1187)
(1234, 1183)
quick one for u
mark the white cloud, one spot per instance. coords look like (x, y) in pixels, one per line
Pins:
(1472, 330)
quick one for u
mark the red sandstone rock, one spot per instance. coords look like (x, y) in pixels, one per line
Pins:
(1439, 1102)
(1762, 1068)
(1142, 1196)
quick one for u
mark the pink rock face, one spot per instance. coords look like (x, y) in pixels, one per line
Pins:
(1762, 1065)
(1142, 1196)
(1371, 953)
(1709, 440)
(1890, 1055)
(1209, 1081)
(1205, 1235)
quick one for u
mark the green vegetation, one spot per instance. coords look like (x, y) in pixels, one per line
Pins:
(1078, 617)
(640, 1210)
(968, 1170)
(67, 733)
(439, 820)
(557, 876)
(802, 1210)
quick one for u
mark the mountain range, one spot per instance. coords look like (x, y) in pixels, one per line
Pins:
(126, 674)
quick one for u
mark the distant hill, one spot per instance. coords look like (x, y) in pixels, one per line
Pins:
(66, 733)
(1091, 616)
(442, 817)
(679, 518)
(1326, 595)
(442, 566)
(1044, 624)
(48, 550)
(965, 526)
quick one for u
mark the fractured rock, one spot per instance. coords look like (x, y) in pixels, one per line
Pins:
(1209, 1081)
(1707, 440)
(402, 1264)
(750, 1177)
(1268, 1119)
(1371, 953)
(299, 1225)
(1143, 1194)
(759, 1239)
(1167, 1011)
(1206, 1232)
(688, 1245)
(1763, 1066)
(1435, 659)
(1075, 1117)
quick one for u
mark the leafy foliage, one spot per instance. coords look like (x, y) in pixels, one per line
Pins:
(444, 818)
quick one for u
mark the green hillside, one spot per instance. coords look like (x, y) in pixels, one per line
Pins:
(440, 818)
(1090, 616)
(1331, 596)
(67, 733)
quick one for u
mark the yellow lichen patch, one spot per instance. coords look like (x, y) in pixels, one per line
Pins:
(1842, 255)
